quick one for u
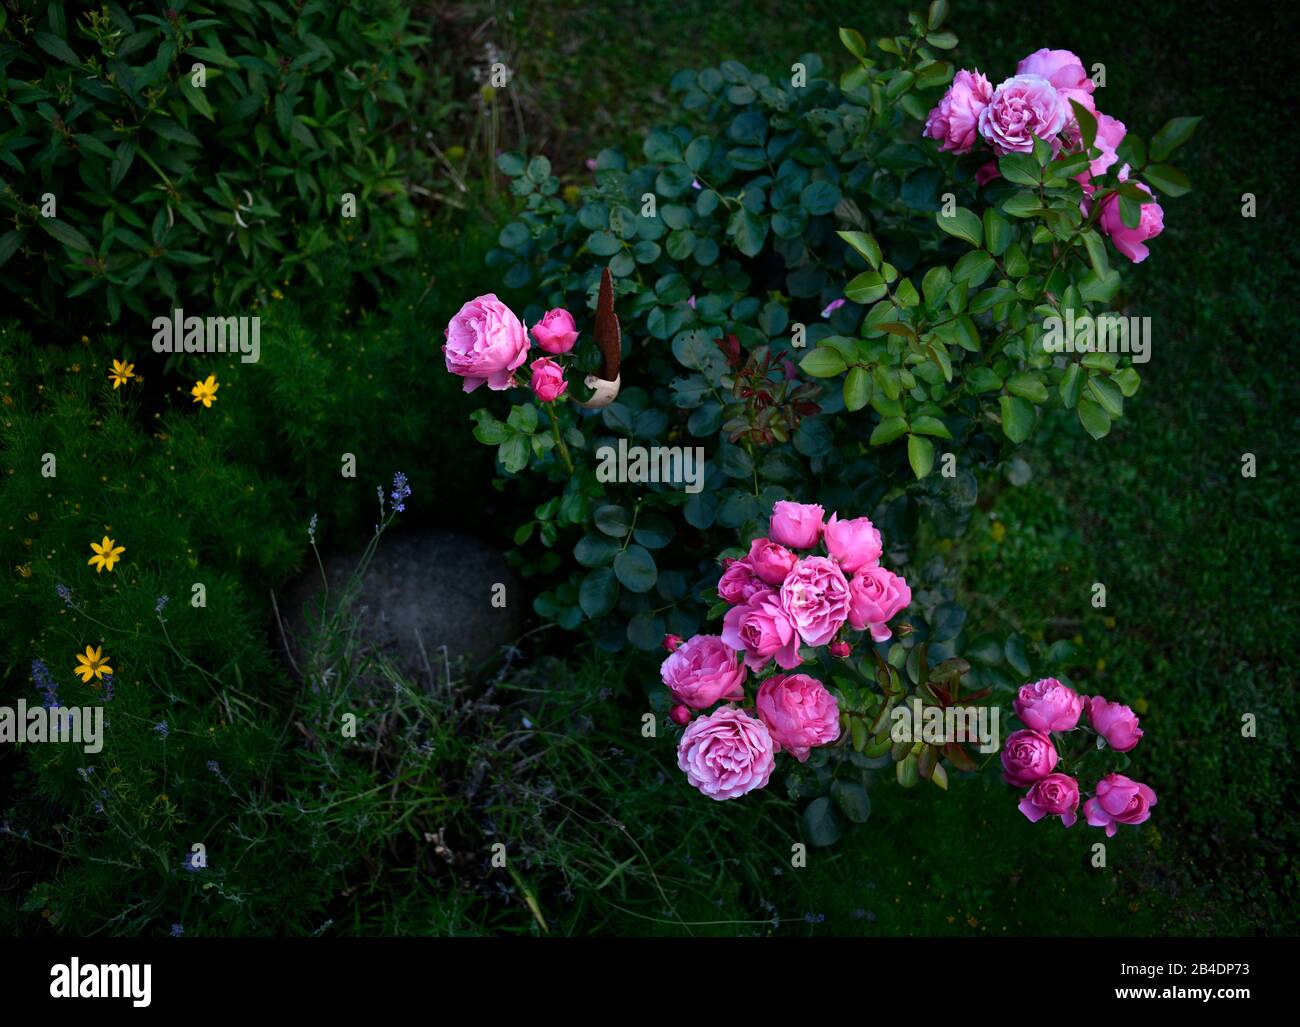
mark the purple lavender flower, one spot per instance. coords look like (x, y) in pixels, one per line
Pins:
(214, 767)
(190, 863)
(65, 593)
(311, 528)
(161, 604)
(162, 729)
(45, 684)
(177, 930)
(401, 492)
(108, 688)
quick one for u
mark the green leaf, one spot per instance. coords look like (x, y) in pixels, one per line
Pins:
(1071, 383)
(926, 425)
(595, 550)
(1176, 131)
(1022, 204)
(973, 268)
(1028, 385)
(1106, 393)
(613, 520)
(944, 40)
(65, 233)
(920, 454)
(513, 453)
(866, 287)
(820, 823)
(819, 197)
(997, 232)
(865, 244)
(823, 362)
(1095, 420)
(1167, 178)
(964, 224)
(748, 230)
(888, 430)
(56, 47)
(1017, 417)
(635, 568)
(1087, 123)
(1020, 168)
(852, 799)
(857, 388)
(598, 593)
(853, 42)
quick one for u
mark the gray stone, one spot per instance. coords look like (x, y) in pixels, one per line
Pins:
(422, 590)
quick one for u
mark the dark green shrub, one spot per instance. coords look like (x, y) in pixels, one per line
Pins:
(171, 183)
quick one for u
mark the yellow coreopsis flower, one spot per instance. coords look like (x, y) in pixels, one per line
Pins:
(106, 554)
(122, 373)
(205, 392)
(92, 664)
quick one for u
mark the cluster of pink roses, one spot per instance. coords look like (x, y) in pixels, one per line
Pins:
(779, 601)
(1029, 757)
(1035, 103)
(486, 342)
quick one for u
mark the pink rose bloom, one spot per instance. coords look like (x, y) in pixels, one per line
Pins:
(548, 382)
(797, 525)
(1027, 757)
(799, 713)
(764, 631)
(770, 561)
(1119, 800)
(1056, 795)
(556, 332)
(727, 753)
(702, 671)
(1048, 706)
(1114, 722)
(485, 343)
(1131, 241)
(816, 596)
(987, 173)
(955, 121)
(1110, 133)
(1023, 107)
(1065, 72)
(876, 596)
(855, 544)
(739, 583)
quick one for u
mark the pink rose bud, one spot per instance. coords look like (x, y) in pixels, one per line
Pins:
(799, 713)
(727, 753)
(797, 525)
(739, 583)
(1048, 706)
(1028, 756)
(1119, 800)
(1114, 722)
(764, 631)
(704, 671)
(671, 642)
(485, 343)
(955, 121)
(1131, 242)
(771, 562)
(855, 544)
(841, 650)
(816, 598)
(1056, 795)
(876, 596)
(548, 382)
(556, 331)
(1023, 108)
(680, 715)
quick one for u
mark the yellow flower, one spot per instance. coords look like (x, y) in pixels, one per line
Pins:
(24, 570)
(93, 664)
(205, 392)
(106, 554)
(122, 373)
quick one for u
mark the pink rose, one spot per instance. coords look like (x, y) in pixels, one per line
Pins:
(955, 121)
(840, 650)
(1114, 722)
(739, 583)
(556, 331)
(1119, 800)
(702, 671)
(1110, 133)
(816, 596)
(727, 753)
(485, 343)
(855, 543)
(987, 173)
(1056, 795)
(797, 525)
(680, 715)
(548, 382)
(876, 597)
(764, 631)
(1022, 107)
(1027, 757)
(1065, 72)
(1048, 706)
(1131, 241)
(799, 713)
(672, 642)
(770, 561)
